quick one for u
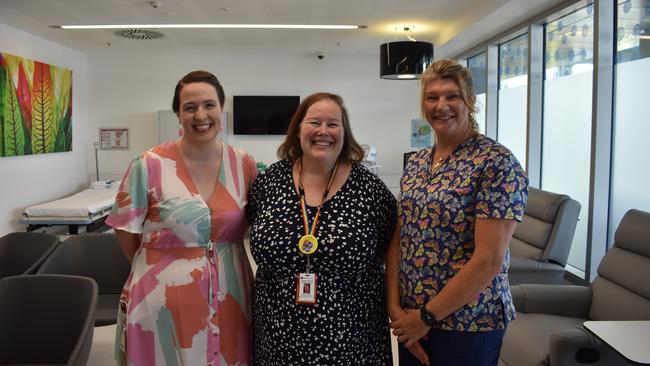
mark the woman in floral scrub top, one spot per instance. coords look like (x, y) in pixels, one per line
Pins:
(180, 220)
(448, 292)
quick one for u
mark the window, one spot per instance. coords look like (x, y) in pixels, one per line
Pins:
(630, 148)
(566, 136)
(513, 79)
(477, 65)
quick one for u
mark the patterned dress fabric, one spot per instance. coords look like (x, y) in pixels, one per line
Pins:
(187, 299)
(437, 210)
(348, 325)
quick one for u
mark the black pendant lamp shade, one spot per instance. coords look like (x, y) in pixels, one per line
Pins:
(404, 60)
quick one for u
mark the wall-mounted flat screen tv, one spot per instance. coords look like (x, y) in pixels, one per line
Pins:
(263, 115)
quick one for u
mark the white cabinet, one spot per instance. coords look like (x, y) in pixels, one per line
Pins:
(168, 126)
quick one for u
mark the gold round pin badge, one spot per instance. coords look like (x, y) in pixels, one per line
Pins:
(308, 244)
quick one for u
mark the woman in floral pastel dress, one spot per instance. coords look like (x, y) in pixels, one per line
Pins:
(448, 292)
(179, 217)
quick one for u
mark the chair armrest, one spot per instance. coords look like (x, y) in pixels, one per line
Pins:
(533, 265)
(574, 346)
(562, 300)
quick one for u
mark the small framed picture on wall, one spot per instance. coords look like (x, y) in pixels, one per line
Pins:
(114, 138)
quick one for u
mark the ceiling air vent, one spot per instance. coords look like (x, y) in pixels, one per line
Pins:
(138, 34)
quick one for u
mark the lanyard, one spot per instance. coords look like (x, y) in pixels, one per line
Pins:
(303, 208)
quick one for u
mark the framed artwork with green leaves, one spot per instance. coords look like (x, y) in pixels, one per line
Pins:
(35, 107)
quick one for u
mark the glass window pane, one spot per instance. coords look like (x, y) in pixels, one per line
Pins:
(630, 148)
(569, 44)
(632, 30)
(566, 133)
(513, 78)
(477, 65)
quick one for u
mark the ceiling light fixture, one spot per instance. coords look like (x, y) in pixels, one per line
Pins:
(404, 60)
(211, 26)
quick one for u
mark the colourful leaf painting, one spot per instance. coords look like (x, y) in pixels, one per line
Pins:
(35, 107)
(3, 80)
(24, 96)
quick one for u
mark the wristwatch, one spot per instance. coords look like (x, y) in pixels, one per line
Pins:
(428, 318)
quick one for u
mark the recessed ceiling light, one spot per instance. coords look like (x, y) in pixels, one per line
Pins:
(208, 26)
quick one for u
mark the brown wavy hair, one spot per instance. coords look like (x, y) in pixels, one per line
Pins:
(291, 149)
(451, 70)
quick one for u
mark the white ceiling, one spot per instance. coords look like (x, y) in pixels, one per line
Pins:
(451, 25)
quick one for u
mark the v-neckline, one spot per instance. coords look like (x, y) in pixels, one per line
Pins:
(296, 194)
(189, 184)
(447, 159)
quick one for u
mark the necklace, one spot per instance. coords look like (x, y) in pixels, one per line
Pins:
(438, 163)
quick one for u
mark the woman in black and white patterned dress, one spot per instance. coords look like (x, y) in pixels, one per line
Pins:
(321, 223)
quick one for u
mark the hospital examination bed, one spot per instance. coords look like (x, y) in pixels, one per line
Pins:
(88, 208)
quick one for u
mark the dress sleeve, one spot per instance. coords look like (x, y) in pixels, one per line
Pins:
(387, 215)
(131, 203)
(250, 170)
(503, 189)
(254, 200)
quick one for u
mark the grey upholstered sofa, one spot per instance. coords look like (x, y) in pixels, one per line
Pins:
(548, 328)
(541, 242)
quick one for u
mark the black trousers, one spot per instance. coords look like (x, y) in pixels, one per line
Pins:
(457, 348)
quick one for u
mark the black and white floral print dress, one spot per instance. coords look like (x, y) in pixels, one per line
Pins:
(348, 325)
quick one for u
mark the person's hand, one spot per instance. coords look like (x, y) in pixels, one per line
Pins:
(418, 352)
(416, 348)
(409, 328)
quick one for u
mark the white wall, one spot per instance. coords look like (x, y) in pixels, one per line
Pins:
(26, 180)
(128, 88)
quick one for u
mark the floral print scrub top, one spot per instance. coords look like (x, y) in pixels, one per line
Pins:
(437, 210)
(187, 299)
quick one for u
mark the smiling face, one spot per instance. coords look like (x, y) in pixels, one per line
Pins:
(199, 113)
(444, 108)
(321, 132)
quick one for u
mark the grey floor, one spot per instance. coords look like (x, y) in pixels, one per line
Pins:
(102, 351)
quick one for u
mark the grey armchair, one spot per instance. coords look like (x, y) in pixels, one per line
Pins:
(46, 319)
(541, 242)
(22, 253)
(99, 257)
(548, 328)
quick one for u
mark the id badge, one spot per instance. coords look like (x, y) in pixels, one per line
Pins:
(306, 288)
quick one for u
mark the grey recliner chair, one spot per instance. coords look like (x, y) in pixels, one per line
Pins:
(99, 257)
(46, 319)
(21, 253)
(541, 242)
(548, 328)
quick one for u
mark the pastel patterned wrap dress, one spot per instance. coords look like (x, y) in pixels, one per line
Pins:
(187, 299)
